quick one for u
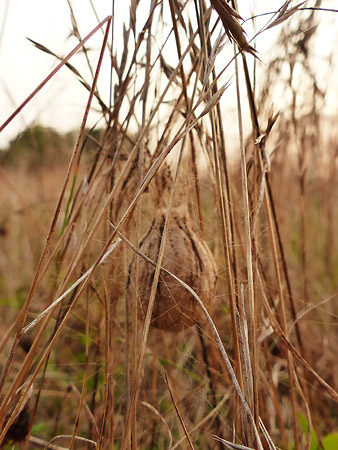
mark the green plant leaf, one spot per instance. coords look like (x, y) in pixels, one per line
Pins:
(330, 442)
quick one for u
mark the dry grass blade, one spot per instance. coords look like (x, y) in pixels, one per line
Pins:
(267, 435)
(167, 69)
(72, 69)
(44, 49)
(85, 277)
(307, 309)
(179, 415)
(285, 14)
(260, 199)
(57, 68)
(204, 420)
(86, 407)
(82, 402)
(231, 445)
(216, 49)
(278, 330)
(92, 444)
(249, 253)
(214, 100)
(233, 28)
(154, 410)
(178, 9)
(245, 350)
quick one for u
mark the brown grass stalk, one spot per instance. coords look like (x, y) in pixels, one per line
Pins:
(24, 311)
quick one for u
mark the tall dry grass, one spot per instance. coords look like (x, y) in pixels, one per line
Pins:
(101, 346)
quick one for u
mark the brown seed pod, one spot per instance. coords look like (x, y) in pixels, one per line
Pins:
(188, 257)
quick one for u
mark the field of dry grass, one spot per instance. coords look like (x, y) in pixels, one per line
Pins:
(162, 285)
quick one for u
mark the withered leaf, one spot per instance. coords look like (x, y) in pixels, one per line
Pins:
(233, 28)
(284, 14)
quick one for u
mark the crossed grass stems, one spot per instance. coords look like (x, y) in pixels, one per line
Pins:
(196, 99)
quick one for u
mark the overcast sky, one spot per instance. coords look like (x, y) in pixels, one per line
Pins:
(61, 103)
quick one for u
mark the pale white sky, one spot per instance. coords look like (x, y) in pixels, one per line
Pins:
(61, 103)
